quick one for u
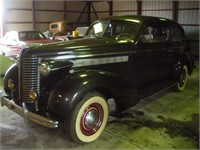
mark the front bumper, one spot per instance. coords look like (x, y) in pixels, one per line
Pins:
(27, 115)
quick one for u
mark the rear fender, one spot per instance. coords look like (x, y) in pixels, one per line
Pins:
(189, 61)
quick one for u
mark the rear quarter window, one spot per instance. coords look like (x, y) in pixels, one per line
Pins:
(176, 34)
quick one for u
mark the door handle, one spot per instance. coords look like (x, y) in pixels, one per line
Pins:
(171, 50)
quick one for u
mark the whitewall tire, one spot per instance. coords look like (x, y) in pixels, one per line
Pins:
(183, 78)
(89, 118)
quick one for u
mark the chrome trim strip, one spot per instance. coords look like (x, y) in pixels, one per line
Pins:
(43, 121)
(74, 56)
(99, 61)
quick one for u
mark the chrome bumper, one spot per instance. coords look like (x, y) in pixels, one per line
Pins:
(27, 115)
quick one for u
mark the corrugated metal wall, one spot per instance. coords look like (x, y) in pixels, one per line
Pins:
(188, 17)
(13, 15)
(47, 12)
(19, 14)
(124, 7)
(101, 9)
(74, 9)
(157, 8)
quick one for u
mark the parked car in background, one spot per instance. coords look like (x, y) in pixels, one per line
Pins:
(59, 28)
(78, 33)
(13, 41)
(123, 58)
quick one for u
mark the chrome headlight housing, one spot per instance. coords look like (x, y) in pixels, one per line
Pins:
(44, 69)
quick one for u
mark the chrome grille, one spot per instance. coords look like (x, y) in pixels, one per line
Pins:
(30, 77)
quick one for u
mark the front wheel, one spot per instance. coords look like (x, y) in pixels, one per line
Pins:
(182, 79)
(89, 118)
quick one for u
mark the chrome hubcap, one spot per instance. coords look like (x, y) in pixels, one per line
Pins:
(92, 119)
(182, 78)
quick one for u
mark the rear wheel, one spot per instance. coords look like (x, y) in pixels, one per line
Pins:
(182, 79)
(89, 118)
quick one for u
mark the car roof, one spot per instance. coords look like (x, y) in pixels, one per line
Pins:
(140, 19)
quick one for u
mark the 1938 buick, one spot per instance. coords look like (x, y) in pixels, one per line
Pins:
(126, 58)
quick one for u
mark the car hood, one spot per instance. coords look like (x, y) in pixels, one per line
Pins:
(79, 46)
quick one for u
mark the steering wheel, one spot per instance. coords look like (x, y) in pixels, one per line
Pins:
(124, 35)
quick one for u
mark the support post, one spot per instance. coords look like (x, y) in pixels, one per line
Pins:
(110, 3)
(64, 10)
(175, 10)
(33, 15)
(89, 13)
(139, 7)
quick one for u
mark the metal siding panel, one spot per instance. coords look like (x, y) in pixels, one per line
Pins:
(48, 16)
(156, 5)
(19, 16)
(191, 32)
(124, 5)
(73, 17)
(154, 8)
(188, 4)
(42, 27)
(17, 3)
(164, 14)
(75, 5)
(124, 13)
(10, 27)
(188, 16)
(101, 6)
(54, 5)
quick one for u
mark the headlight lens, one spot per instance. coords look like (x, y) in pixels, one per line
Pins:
(44, 69)
(33, 95)
(11, 84)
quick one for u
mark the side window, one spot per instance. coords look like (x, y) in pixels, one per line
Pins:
(155, 34)
(176, 35)
(117, 28)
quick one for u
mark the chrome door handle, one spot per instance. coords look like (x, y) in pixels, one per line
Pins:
(169, 51)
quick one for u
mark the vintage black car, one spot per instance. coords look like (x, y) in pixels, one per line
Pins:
(126, 58)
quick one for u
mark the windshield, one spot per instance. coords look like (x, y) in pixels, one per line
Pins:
(112, 29)
(30, 35)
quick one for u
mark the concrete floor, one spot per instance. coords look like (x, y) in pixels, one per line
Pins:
(169, 120)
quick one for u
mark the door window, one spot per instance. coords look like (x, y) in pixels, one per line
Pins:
(155, 34)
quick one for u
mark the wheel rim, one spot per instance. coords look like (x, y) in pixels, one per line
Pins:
(92, 119)
(183, 78)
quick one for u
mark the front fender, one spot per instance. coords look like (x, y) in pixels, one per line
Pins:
(70, 90)
(11, 73)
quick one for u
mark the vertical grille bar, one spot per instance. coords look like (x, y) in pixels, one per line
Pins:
(30, 77)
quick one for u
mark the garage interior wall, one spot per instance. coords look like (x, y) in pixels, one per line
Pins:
(34, 14)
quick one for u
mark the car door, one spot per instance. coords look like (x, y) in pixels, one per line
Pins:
(153, 49)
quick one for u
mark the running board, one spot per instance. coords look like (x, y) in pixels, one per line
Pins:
(151, 98)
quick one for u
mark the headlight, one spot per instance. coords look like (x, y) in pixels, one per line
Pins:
(44, 69)
(16, 60)
(33, 95)
(11, 84)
